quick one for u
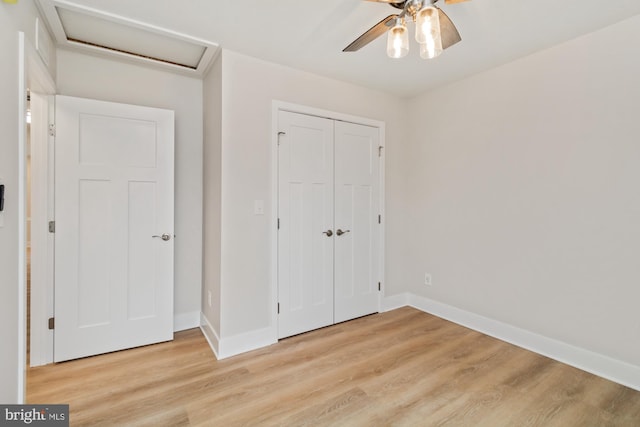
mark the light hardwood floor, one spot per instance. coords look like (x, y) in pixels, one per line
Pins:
(401, 368)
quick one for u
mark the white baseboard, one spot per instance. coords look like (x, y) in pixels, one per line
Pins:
(598, 364)
(247, 341)
(210, 334)
(394, 301)
(603, 366)
(234, 345)
(184, 321)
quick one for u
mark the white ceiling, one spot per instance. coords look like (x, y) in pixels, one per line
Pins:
(310, 34)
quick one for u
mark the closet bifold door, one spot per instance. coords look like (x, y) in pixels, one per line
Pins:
(305, 212)
(357, 199)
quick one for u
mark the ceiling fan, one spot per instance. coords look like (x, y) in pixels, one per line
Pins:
(434, 30)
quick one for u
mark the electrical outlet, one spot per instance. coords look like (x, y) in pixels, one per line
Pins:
(258, 207)
(427, 279)
(209, 294)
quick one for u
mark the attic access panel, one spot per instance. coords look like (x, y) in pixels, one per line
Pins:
(99, 32)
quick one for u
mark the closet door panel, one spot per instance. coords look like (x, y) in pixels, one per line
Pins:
(305, 211)
(356, 221)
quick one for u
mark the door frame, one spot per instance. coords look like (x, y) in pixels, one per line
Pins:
(34, 75)
(276, 107)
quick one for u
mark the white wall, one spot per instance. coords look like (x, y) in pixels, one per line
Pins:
(248, 88)
(13, 18)
(109, 80)
(524, 194)
(212, 194)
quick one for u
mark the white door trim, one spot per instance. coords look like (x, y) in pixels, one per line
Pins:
(276, 107)
(33, 74)
(22, 215)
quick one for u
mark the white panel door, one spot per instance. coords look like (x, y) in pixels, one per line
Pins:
(328, 206)
(356, 220)
(305, 237)
(114, 179)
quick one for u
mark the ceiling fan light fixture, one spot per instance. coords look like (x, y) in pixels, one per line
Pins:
(429, 50)
(434, 32)
(428, 32)
(398, 40)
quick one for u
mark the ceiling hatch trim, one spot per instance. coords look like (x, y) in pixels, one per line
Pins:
(92, 30)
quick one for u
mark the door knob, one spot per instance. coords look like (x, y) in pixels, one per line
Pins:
(164, 237)
(340, 232)
(329, 233)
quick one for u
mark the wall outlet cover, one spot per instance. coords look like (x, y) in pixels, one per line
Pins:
(427, 279)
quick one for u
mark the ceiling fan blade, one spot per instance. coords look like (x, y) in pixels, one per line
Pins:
(454, 1)
(448, 31)
(371, 34)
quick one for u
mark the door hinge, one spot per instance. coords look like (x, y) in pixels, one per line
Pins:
(278, 223)
(279, 135)
(379, 287)
(52, 130)
(52, 323)
(379, 219)
(380, 147)
(278, 308)
(52, 226)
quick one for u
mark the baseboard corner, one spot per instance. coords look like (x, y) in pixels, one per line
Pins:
(210, 334)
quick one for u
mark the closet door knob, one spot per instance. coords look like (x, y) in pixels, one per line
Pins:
(329, 233)
(340, 232)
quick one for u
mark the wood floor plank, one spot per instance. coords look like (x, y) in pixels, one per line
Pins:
(401, 368)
